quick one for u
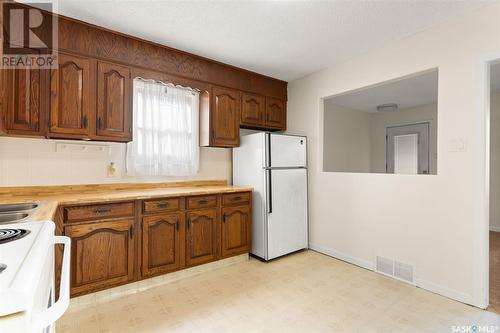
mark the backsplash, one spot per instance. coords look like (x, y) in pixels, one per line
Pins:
(29, 162)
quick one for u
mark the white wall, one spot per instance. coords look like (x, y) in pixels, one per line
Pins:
(347, 139)
(495, 162)
(26, 162)
(439, 223)
(381, 120)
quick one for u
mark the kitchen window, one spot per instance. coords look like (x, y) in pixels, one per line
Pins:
(165, 119)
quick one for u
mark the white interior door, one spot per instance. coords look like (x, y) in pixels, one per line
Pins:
(287, 212)
(407, 149)
(287, 151)
(406, 154)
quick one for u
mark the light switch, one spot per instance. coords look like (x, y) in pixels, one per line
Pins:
(458, 145)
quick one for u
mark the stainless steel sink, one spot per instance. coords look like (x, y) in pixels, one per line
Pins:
(11, 213)
(6, 208)
(13, 217)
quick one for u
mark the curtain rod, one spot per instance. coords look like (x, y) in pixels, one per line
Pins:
(168, 84)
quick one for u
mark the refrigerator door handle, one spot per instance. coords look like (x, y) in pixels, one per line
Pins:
(269, 192)
(268, 149)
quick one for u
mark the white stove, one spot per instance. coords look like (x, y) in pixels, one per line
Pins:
(27, 277)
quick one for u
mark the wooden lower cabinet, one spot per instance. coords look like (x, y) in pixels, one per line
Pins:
(236, 230)
(102, 254)
(114, 243)
(201, 236)
(161, 244)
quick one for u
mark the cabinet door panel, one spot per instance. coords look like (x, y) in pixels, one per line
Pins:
(113, 101)
(225, 121)
(71, 105)
(26, 100)
(102, 255)
(236, 230)
(161, 244)
(275, 113)
(201, 236)
(252, 110)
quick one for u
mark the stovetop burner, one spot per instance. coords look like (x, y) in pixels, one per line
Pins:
(8, 235)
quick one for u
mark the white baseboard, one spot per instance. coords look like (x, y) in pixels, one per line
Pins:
(446, 292)
(494, 228)
(342, 256)
(427, 285)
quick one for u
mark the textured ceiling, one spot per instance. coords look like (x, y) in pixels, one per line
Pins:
(408, 92)
(283, 39)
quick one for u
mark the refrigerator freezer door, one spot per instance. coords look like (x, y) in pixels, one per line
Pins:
(288, 151)
(287, 212)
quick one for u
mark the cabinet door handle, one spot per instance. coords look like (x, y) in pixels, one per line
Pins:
(131, 231)
(202, 202)
(85, 122)
(103, 211)
(99, 123)
(177, 225)
(224, 218)
(162, 205)
(236, 199)
(189, 224)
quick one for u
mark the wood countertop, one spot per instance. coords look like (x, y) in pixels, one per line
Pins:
(50, 197)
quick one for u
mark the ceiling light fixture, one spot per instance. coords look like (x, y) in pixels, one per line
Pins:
(391, 107)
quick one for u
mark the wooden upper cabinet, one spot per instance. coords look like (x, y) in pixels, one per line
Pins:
(114, 112)
(102, 254)
(25, 101)
(71, 104)
(161, 244)
(236, 230)
(253, 110)
(201, 236)
(225, 117)
(275, 113)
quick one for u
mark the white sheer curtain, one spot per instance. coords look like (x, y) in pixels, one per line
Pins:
(165, 139)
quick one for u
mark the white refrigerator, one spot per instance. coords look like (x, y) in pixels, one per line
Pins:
(275, 165)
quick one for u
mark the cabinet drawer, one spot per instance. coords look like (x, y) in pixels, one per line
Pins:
(205, 201)
(161, 205)
(97, 212)
(235, 198)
